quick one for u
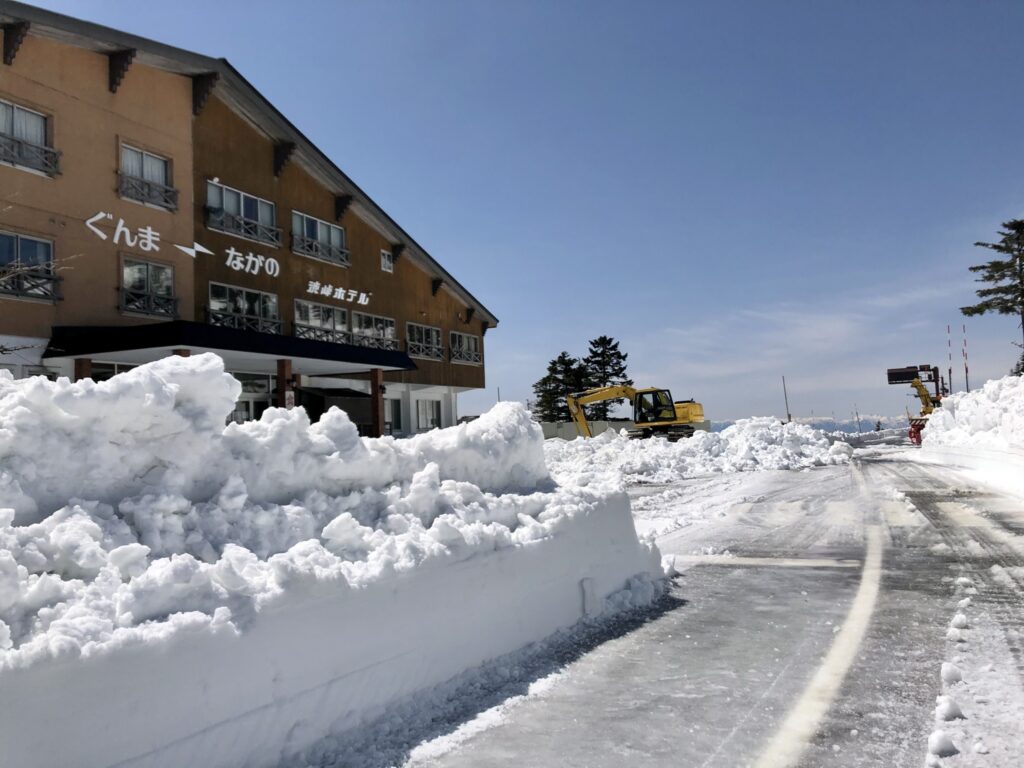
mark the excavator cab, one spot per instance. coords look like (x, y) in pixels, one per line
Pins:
(653, 405)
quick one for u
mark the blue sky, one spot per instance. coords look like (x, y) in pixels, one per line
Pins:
(734, 190)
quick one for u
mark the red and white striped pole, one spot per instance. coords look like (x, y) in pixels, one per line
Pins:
(949, 351)
(967, 378)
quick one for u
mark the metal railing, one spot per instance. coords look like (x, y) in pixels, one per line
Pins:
(467, 356)
(322, 334)
(148, 303)
(150, 192)
(218, 218)
(310, 246)
(242, 322)
(39, 284)
(29, 155)
(374, 342)
(421, 349)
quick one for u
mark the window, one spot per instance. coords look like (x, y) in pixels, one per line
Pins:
(243, 308)
(26, 267)
(387, 261)
(392, 416)
(147, 178)
(148, 288)
(424, 341)
(466, 348)
(23, 140)
(373, 331)
(319, 239)
(428, 414)
(321, 322)
(105, 371)
(237, 213)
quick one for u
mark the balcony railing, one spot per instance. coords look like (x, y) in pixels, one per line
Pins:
(148, 303)
(243, 322)
(33, 283)
(322, 334)
(149, 192)
(374, 342)
(218, 218)
(421, 349)
(319, 250)
(467, 356)
(29, 155)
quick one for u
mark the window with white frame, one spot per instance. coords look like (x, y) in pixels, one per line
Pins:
(424, 341)
(374, 331)
(319, 239)
(146, 177)
(237, 213)
(387, 261)
(465, 348)
(428, 414)
(148, 288)
(26, 266)
(243, 308)
(321, 322)
(24, 139)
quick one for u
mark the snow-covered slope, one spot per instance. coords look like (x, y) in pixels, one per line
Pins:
(173, 592)
(990, 417)
(759, 443)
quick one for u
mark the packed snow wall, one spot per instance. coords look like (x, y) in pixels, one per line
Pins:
(174, 592)
(982, 433)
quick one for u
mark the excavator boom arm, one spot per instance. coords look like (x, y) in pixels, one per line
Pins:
(577, 400)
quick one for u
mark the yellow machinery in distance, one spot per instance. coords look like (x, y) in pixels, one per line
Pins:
(917, 376)
(654, 411)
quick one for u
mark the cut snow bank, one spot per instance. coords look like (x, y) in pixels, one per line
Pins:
(750, 444)
(990, 417)
(231, 595)
(981, 433)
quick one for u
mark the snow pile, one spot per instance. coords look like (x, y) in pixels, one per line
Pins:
(990, 417)
(751, 444)
(240, 592)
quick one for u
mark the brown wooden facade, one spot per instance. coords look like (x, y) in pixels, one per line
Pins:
(228, 148)
(100, 91)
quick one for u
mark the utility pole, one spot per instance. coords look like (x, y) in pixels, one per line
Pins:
(856, 414)
(499, 394)
(785, 395)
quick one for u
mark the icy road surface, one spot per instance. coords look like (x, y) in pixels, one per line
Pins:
(809, 625)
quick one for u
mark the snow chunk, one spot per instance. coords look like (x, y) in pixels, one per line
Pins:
(939, 743)
(950, 673)
(947, 709)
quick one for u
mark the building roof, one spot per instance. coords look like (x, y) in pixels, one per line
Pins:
(242, 97)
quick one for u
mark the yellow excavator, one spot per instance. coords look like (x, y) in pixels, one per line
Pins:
(654, 411)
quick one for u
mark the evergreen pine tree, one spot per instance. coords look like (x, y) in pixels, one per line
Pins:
(1005, 294)
(566, 374)
(1018, 369)
(606, 366)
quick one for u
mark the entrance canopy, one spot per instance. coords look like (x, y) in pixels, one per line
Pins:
(241, 350)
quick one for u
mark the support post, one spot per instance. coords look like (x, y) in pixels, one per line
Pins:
(182, 352)
(285, 393)
(83, 368)
(377, 404)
